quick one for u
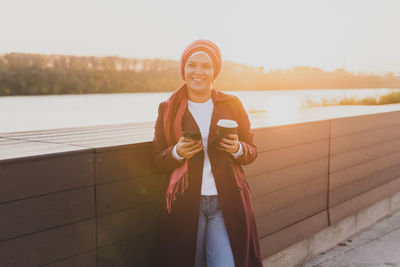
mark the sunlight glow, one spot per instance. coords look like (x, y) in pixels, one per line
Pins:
(282, 109)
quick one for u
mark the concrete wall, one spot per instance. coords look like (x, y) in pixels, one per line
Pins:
(88, 196)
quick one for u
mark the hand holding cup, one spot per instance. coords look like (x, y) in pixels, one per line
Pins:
(227, 134)
(229, 144)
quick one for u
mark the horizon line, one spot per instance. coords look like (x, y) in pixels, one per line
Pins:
(382, 73)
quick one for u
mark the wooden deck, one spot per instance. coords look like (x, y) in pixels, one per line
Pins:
(88, 197)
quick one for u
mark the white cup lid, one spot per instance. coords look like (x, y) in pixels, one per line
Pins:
(227, 123)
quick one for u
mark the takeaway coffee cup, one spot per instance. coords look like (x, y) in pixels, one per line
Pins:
(225, 127)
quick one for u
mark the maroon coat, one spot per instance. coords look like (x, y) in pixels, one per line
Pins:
(177, 232)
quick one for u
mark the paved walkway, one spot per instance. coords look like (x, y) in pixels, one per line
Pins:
(378, 245)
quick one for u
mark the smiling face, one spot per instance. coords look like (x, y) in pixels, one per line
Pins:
(199, 74)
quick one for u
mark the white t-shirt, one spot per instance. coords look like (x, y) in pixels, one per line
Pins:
(202, 113)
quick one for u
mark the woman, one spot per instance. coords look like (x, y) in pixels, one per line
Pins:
(206, 216)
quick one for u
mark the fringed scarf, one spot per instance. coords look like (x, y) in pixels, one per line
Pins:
(175, 107)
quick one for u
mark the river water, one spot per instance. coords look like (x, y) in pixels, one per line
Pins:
(23, 113)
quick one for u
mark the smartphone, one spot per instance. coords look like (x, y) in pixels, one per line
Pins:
(196, 135)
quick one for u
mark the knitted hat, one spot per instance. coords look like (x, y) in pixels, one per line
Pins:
(201, 45)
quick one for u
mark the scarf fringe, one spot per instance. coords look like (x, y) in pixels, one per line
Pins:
(177, 188)
(174, 111)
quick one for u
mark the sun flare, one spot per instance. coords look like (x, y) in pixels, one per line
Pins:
(282, 109)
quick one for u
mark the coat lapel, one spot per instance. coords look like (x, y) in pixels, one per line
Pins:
(188, 122)
(212, 135)
(217, 98)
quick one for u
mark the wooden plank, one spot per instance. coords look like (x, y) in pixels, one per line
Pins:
(137, 251)
(348, 175)
(364, 139)
(362, 201)
(5, 143)
(21, 134)
(277, 137)
(123, 163)
(354, 157)
(351, 125)
(286, 157)
(97, 135)
(364, 184)
(5, 146)
(130, 138)
(87, 259)
(49, 246)
(126, 224)
(102, 145)
(281, 199)
(96, 140)
(34, 149)
(47, 175)
(280, 240)
(276, 180)
(40, 213)
(283, 218)
(95, 131)
(112, 197)
(40, 136)
(74, 138)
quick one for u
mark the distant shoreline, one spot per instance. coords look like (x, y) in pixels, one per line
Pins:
(298, 89)
(37, 74)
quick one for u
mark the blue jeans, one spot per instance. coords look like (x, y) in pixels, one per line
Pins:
(213, 246)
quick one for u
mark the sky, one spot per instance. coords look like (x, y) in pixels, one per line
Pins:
(358, 35)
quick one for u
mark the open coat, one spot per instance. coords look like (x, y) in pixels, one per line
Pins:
(177, 231)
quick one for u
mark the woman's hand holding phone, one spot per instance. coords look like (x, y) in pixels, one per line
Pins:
(187, 147)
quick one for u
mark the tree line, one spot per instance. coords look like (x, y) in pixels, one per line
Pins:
(37, 74)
